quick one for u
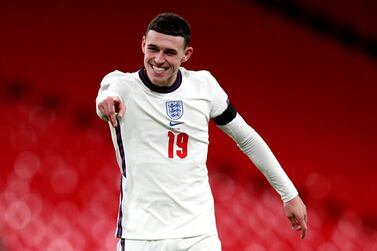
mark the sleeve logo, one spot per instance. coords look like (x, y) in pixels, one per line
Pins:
(105, 87)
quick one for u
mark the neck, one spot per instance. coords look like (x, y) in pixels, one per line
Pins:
(169, 82)
(158, 88)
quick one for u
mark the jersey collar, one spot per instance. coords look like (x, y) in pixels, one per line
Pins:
(146, 81)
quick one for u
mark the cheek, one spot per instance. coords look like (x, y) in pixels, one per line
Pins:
(147, 58)
(175, 62)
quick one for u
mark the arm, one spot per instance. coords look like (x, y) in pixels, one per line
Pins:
(260, 154)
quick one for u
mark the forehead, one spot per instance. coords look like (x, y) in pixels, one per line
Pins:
(164, 41)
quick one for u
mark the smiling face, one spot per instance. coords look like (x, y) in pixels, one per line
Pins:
(163, 55)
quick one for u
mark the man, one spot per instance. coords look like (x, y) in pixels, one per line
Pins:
(159, 117)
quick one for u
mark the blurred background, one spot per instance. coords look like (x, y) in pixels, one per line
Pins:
(302, 73)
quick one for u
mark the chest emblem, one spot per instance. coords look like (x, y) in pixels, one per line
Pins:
(174, 109)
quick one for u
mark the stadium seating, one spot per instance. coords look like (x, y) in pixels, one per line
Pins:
(60, 192)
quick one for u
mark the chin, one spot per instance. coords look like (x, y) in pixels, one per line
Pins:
(158, 81)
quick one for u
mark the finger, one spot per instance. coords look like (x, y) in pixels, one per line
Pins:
(298, 227)
(110, 106)
(113, 120)
(102, 110)
(111, 111)
(293, 222)
(119, 106)
(122, 109)
(103, 107)
(303, 227)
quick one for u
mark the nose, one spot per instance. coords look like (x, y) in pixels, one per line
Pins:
(160, 59)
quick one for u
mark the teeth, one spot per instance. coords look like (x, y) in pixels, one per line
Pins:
(158, 69)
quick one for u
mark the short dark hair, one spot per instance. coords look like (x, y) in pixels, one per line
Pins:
(171, 24)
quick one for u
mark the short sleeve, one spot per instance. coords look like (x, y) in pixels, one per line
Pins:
(110, 86)
(219, 99)
(113, 84)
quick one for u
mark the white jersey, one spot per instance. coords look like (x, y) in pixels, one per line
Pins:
(161, 147)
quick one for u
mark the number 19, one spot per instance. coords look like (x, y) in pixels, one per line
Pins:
(181, 142)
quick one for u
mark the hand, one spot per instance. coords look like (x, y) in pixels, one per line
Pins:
(295, 210)
(110, 108)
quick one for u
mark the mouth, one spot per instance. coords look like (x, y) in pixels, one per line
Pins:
(158, 70)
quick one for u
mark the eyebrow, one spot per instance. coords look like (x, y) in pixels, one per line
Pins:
(171, 51)
(152, 46)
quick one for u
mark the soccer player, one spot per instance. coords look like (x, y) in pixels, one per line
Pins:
(159, 119)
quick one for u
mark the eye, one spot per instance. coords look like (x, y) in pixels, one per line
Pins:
(171, 52)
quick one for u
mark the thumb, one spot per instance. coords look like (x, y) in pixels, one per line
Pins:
(119, 107)
(122, 109)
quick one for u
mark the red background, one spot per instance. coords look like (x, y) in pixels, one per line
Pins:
(309, 94)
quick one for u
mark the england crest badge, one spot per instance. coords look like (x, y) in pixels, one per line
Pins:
(174, 109)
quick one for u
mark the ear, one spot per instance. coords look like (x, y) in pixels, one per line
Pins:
(143, 44)
(188, 53)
